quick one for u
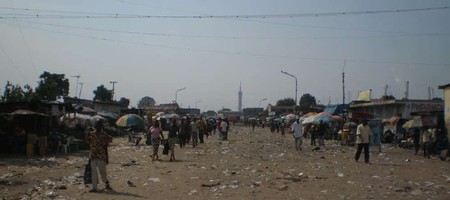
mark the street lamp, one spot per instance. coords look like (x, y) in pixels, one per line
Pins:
(76, 90)
(176, 93)
(259, 105)
(295, 84)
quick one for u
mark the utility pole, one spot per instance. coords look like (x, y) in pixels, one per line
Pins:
(343, 83)
(76, 90)
(81, 88)
(113, 83)
(429, 92)
(386, 90)
(407, 90)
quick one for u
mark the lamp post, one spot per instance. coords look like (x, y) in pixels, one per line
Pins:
(76, 86)
(295, 84)
(176, 93)
(259, 105)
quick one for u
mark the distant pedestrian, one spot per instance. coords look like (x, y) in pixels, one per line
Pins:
(172, 138)
(194, 133)
(184, 131)
(362, 141)
(98, 141)
(297, 129)
(227, 128)
(224, 127)
(253, 124)
(313, 131)
(426, 138)
(416, 140)
(321, 130)
(219, 127)
(201, 129)
(283, 127)
(214, 126)
(157, 135)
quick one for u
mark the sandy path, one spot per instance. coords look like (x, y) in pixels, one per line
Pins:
(251, 165)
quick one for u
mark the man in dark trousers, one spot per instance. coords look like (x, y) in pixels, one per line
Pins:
(362, 140)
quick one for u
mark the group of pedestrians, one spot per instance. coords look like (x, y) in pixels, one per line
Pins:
(362, 137)
(186, 132)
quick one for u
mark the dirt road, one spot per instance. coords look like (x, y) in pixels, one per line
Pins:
(251, 165)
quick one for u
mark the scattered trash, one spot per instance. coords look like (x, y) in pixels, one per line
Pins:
(132, 162)
(192, 192)
(211, 185)
(340, 174)
(131, 184)
(155, 180)
(283, 188)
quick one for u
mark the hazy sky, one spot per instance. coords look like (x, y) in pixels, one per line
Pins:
(210, 56)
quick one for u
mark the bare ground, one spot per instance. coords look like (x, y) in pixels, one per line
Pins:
(251, 165)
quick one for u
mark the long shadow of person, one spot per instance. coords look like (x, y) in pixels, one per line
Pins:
(118, 193)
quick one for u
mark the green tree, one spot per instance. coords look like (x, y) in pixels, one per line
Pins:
(146, 102)
(306, 101)
(124, 101)
(285, 102)
(52, 85)
(103, 94)
(29, 94)
(12, 93)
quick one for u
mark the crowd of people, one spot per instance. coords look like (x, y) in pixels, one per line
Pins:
(186, 131)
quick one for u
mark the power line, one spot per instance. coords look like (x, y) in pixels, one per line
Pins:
(13, 64)
(240, 37)
(228, 52)
(263, 16)
(25, 43)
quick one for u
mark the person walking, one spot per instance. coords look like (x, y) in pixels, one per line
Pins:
(416, 140)
(224, 128)
(253, 124)
(194, 133)
(297, 129)
(426, 138)
(201, 129)
(98, 141)
(362, 141)
(227, 128)
(282, 127)
(313, 131)
(157, 135)
(184, 130)
(172, 138)
(219, 127)
(321, 133)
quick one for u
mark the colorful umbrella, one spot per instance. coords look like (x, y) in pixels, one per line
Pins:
(315, 119)
(418, 122)
(130, 120)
